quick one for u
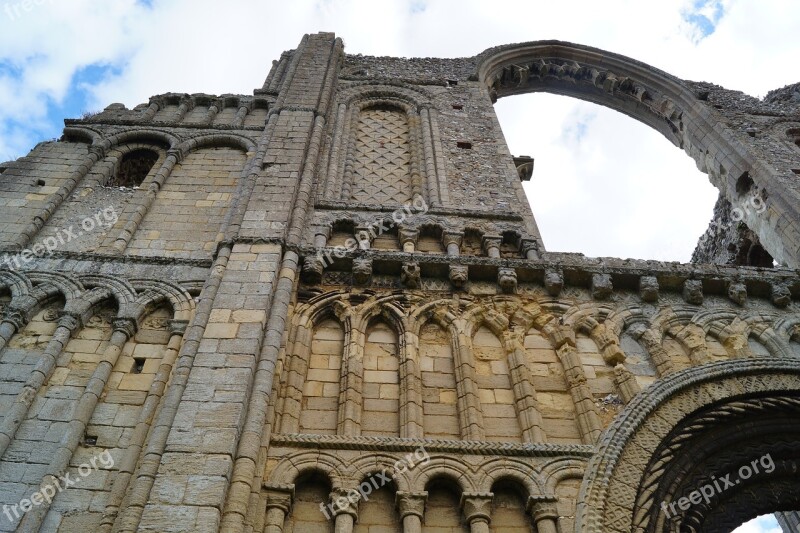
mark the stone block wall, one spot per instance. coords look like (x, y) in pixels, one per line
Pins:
(327, 307)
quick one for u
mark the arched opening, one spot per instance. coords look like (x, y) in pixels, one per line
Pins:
(134, 168)
(312, 494)
(443, 508)
(376, 509)
(508, 508)
(604, 183)
(381, 396)
(714, 478)
(708, 449)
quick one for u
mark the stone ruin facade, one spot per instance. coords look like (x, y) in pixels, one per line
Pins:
(327, 307)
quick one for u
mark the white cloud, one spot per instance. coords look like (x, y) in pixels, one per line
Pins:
(654, 202)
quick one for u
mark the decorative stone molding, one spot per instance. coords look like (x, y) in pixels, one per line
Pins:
(451, 240)
(411, 503)
(16, 317)
(553, 282)
(410, 275)
(648, 288)
(127, 326)
(458, 275)
(280, 496)
(491, 245)
(341, 442)
(477, 506)
(601, 286)
(693, 291)
(507, 279)
(781, 296)
(313, 268)
(362, 270)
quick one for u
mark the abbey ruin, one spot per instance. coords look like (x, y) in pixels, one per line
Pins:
(326, 306)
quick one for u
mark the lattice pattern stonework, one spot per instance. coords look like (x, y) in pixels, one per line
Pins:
(382, 170)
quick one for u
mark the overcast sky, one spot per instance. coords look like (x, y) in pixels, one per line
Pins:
(603, 184)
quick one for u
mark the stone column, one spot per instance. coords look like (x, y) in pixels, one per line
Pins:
(143, 205)
(411, 508)
(279, 504)
(530, 249)
(184, 107)
(364, 236)
(127, 465)
(241, 114)
(213, 110)
(469, 405)
(524, 394)
(544, 513)
(321, 236)
(14, 320)
(477, 508)
(452, 242)
(67, 326)
(345, 509)
(150, 112)
(124, 329)
(491, 245)
(408, 239)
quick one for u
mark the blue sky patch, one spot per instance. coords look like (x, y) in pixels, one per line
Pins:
(704, 15)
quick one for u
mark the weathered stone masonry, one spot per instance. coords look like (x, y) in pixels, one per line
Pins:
(303, 288)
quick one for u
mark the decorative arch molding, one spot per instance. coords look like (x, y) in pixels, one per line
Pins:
(617, 473)
(667, 104)
(417, 116)
(216, 140)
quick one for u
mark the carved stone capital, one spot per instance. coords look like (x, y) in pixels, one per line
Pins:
(69, 321)
(542, 508)
(313, 267)
(553, 282)
(507, 279)
(529, 248)
(477, 505)
(459, 275)
(279, 496)
(362, 270)
(648, 288)
(125, 325)
(452, 238)
(410, 275)
(16, 317)
(364, 235)
(178, 327)
(491, 245)
(345, 501)
(408, 237)
(693, 291)
(411, 503)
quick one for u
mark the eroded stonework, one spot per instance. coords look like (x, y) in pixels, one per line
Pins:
(327, 307)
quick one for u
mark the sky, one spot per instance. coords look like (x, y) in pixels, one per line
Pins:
(603, 184)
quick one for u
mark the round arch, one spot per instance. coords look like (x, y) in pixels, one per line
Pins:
(662, 101)
(695, 426)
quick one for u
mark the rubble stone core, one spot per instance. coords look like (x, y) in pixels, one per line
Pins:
(328, 307)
